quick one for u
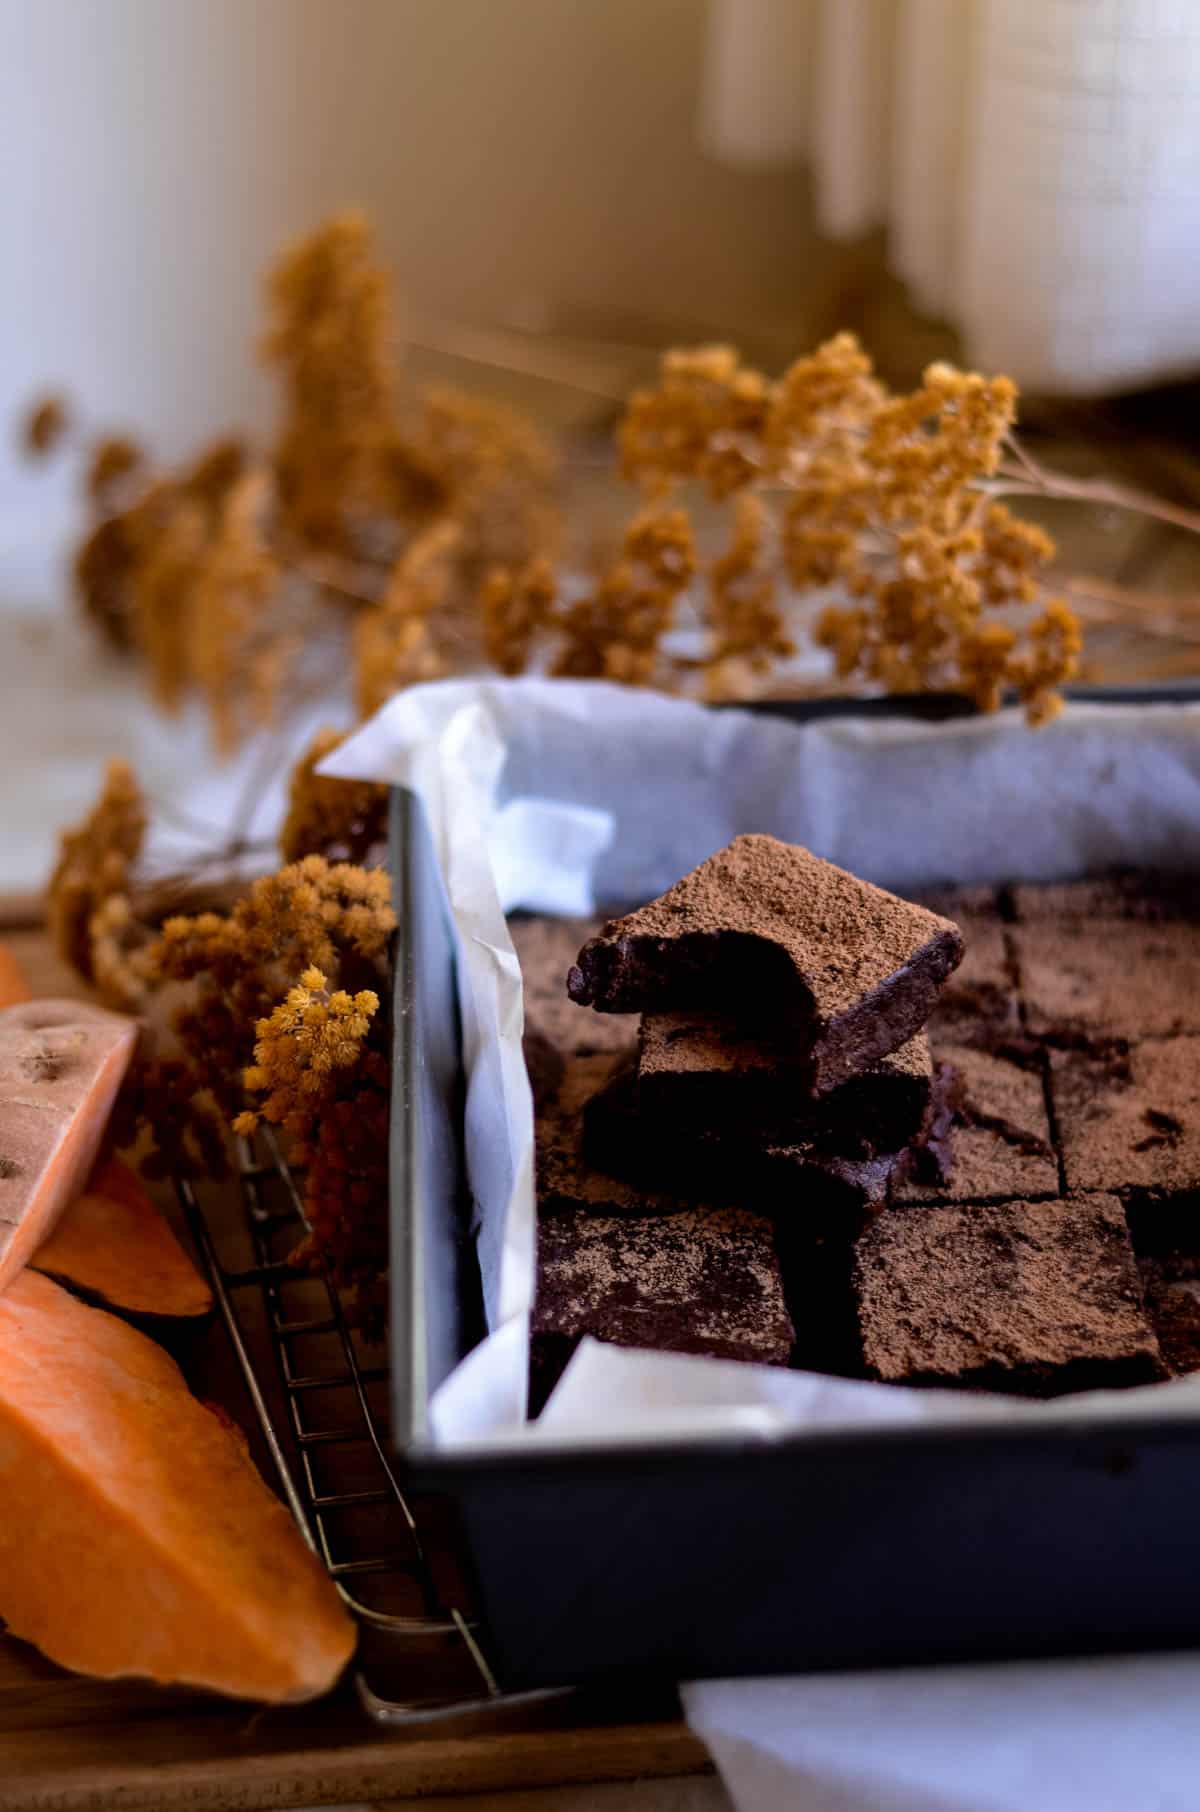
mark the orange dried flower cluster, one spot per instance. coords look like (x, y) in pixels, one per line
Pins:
(394, 644)
(113, 462)
(613, 629)
(516, 608)
(433, 515)
(342, 820)
(321, 1056)
(331, 336)
(235, 653)
(326, 1087)
(299, 963)
(88, 893)
(887, 498)
(832, 483)
(747, 629)
(221, 577)
(705, 419)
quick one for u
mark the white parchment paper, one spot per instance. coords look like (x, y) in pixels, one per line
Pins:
(558, 796)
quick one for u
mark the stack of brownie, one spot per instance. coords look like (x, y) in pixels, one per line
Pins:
(740, 1174)
(698, 1189)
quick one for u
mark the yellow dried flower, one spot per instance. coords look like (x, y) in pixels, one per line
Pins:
(95, 865)
(340, 819)
(704, 419)
(235, 579)
(331, 337)
(394, 643)
(515, 608)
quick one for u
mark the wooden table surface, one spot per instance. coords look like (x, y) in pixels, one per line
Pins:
(79, 1745)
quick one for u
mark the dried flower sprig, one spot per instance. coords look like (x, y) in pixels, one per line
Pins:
(342, 820)
(320, 1080)
(873, 523)
(886, 498)
(221, 576)
(93, 876)
(394, 644)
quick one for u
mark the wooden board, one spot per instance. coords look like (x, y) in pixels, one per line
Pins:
(77, 1745)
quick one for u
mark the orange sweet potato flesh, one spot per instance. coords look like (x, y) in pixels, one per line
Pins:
(61, 1064)
(114, 1247)
(14, 984)
(136, 1537)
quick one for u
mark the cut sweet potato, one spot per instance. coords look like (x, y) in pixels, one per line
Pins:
(14, 984)
(61, 1064)
(113, 1247)
(137, 1539)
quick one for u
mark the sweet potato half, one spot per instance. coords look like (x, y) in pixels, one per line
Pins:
(136, 1537)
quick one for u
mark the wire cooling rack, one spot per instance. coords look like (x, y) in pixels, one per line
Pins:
(322, 1409)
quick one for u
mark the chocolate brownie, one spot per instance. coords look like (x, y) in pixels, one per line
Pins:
(567, 1182)
(1157, 897)
(1001, 1148)
(770, 932)
(1034, 1298)
(1115, 957)
(774, 1171)
(698, 1068)
(704, 1281)
(1129, 1118)
(1172, 1294)
(546, 949)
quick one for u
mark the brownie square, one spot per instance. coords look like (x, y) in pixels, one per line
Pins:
(698, 1069)
(1172, 1292)
(546, 949)
(775, 1172)
(1129, 1118)
(769, 932)
(1000, 1148)
(1115, 957)
(703, 1281)
(1154, 897)
(1034, 1298)
(568, 1182)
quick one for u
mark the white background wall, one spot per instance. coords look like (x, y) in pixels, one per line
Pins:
(526, 160)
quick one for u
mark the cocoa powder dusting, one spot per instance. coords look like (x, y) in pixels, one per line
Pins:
(841, 938)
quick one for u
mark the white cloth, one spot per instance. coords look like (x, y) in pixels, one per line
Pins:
(1035, 162)
(1111, 1734)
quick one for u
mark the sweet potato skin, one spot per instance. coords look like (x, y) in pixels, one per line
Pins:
(61, 1064)
(113, 1247)
(137, 1538)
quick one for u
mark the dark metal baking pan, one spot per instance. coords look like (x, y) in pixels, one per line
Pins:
(756, 1556)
